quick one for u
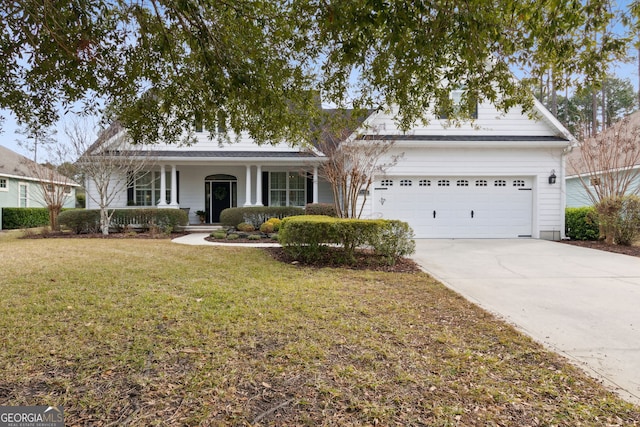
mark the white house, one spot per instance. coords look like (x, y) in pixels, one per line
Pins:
(501, 176)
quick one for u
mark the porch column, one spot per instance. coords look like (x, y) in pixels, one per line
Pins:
(259, 185)
(247, 191)
(162, 203)
(315, 184)
(174, 187)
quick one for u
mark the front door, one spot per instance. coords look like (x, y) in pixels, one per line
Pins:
(220, 194)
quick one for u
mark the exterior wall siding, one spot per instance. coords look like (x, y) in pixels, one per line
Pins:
(548, 215)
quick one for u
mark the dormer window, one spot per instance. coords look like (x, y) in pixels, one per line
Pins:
(456, 99)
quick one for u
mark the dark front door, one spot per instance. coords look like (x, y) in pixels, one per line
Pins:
(220, 199)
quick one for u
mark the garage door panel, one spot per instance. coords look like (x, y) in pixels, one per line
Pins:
(483, 207)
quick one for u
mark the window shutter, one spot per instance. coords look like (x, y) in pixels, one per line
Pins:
(309, 188)
(265, 188)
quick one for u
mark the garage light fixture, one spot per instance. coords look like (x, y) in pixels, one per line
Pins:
(552, 177)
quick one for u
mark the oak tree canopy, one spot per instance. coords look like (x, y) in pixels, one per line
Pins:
(257, 65)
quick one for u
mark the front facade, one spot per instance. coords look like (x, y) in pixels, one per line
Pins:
(489, 179)
(500, 177)
(19, 189)
(210, 177)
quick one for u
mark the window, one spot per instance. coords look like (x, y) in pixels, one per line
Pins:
(405, 183)
(49, 188)
(287, 189)
(3, 184)
(456, 101)
(462, 183)
(499, 183)
(481, 182)
(595, 181)
(23, 195)
(518, 183)
(386, 183)
(145, 189)
(67, 190)
(443, 183)
(424, 183)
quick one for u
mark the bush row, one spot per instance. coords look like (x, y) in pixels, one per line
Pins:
(88, 220)
(310, 236)
(581, 223)
(256, 215)
(14, 218)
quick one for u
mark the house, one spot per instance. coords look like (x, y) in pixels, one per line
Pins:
(22, 187)
(616, 164)
(501, 176)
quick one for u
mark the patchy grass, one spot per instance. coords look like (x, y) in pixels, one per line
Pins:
(147, 332)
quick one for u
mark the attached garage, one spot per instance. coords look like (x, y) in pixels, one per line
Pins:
(458, 206)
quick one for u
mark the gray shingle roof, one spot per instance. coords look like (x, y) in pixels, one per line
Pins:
(14, 164)
(236, 154)
(479, 138)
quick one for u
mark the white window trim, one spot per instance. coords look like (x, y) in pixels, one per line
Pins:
(287, 189)
(6, 184)
(26, 185)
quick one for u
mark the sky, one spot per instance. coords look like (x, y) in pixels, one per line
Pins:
(9, 138)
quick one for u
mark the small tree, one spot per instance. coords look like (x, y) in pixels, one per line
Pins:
(108, 165)
(607, 168)
(352, 163)
(54, 184)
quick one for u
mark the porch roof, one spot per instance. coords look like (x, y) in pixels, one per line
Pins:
(237, 154)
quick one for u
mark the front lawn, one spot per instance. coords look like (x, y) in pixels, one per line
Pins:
(148, 332)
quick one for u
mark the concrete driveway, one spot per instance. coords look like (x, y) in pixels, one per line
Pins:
(582, 303)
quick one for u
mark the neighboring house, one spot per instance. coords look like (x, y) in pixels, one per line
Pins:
(629, 161)
(19, 188)
(489, 179)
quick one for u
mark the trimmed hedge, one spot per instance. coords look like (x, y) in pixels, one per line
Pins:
(14, 218)
(256, 215)
(88, 220)
(327, 209)
(309, 237)
(582, 223)
(80, 221)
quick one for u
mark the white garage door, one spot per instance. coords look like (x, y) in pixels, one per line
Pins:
(458, 207)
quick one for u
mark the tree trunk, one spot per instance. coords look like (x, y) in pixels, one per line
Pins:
(594, 113)
(104, 221)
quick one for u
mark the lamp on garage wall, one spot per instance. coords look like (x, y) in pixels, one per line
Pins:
(552, 177)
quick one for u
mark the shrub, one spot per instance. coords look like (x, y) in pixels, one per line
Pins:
(246, 227)
(307, 237)
(14, 218)
(627, 225)
(218, 234)
(393, 240)
(233, 236)
(326, 209)
(157, 220)
(254, 237)
(164, 219)
(257, 215)
(582, 223)
(271, 226)
(80, 220)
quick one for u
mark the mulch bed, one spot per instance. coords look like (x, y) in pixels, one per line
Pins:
(602, 246)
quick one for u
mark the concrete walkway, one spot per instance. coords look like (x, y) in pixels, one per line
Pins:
(582, 303)
(198, 239)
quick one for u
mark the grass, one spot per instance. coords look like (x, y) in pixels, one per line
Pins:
(148, 332)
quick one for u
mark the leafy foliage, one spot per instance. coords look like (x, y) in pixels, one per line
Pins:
(256, 215)
(326, 209)
(307, 237)
(14, 218)
(582, 223)
(88, 220)
(627, 227)
(256, 65)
